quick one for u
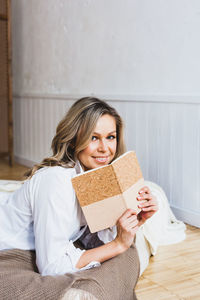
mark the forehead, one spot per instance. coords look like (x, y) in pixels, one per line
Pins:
(105, 124)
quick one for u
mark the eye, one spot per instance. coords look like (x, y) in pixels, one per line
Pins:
(111, 137)
(94, 138)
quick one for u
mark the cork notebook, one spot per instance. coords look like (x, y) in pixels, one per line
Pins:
(106, 192)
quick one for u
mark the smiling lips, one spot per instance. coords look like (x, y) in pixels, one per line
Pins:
(101, 159)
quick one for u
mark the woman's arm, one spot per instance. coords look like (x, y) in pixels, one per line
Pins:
(55, 217)
(127, 227)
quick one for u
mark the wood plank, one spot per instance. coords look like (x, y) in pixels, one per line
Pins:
(11, 173)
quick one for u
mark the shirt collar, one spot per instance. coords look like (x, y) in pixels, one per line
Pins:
(78, 167)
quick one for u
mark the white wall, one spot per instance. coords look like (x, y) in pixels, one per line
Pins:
(111, 47)
(143, 56)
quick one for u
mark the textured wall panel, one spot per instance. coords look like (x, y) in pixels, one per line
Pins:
(112, 47)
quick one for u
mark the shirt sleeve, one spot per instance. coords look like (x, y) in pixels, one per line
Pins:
(107, 235)
(54, 205)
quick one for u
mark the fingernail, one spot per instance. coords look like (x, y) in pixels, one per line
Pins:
(141, 192)
(139, 197)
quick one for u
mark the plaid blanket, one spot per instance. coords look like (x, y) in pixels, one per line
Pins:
(20, 280)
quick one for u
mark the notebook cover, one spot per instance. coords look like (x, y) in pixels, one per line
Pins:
(106, 192)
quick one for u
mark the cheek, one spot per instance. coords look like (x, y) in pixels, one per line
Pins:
(114, 146)
(87, 151)
(90, 149)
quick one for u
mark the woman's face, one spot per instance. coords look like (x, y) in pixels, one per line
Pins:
(102, 147)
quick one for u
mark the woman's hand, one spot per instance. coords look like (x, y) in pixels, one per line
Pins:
(127, 226)
(148, 207)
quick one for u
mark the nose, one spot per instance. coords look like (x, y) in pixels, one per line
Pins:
(103, 147)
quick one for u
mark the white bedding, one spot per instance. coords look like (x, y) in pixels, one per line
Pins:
(161, 229)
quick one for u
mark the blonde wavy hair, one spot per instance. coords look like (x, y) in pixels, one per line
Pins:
(74, 132)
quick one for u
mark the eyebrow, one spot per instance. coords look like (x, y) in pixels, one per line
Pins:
(108, 133)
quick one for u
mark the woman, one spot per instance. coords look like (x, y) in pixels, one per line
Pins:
(44, 213)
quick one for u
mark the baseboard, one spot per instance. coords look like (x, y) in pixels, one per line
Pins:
(24, 162)
(187, 216)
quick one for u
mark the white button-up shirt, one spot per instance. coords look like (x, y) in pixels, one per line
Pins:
(44, 215)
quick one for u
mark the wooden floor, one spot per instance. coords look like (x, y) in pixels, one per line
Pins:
(13, 173)
(173, 273)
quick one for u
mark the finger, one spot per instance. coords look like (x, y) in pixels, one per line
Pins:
(143, 190)
(129, 212)
(134, 230)
(145, 197)
(150, 208)
(131, 228)
(131, 220)
(147, 200)
(124, 222)
(149, 203)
